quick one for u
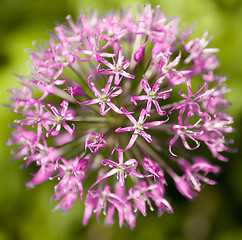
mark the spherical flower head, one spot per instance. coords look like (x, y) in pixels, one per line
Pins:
(118, 100)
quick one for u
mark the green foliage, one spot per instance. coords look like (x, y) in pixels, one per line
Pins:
(215, 214)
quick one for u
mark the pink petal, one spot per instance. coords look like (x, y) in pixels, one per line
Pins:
(146, 86)
(131, 142)
(68, 128)
(108, 174)
(64, 104)
(146, 136)
(173, 140)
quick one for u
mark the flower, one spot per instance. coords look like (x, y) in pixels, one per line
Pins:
(95, 143)
(139, 127)
(122, 169)
(70, 174)
(191, 178)
(152, 95)
(95, 76)
(103, 97)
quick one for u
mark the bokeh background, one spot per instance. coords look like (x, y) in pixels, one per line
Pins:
(27, 214)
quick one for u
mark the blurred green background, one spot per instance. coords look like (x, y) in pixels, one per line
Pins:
(27, 214)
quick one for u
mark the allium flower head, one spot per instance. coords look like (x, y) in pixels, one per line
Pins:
(121, 99)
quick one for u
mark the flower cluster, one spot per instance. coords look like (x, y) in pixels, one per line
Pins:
(121, 97)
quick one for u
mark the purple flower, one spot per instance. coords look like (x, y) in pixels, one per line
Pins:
(154, 169)
(43, 174)
(70, 174)
(166, 67)
(192, 100)
(139, 127)
(92, 49)
(26, 141)
(22, 98)
(157, 195)
(89, 81)
(121, 169)
(152, 95)
(123, 206)
(96, 200)
(191, 180)
(42, 154)
(184, 131)
(67, 190)
(95, 143)
(104, 97)
(140, 53)
(60, 119)
(117, 68)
